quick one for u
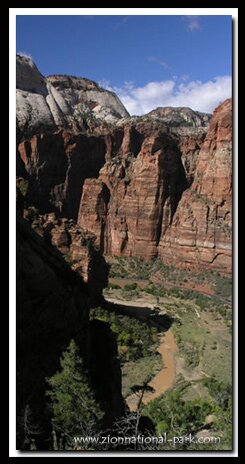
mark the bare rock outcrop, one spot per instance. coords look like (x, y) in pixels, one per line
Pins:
(61, 101)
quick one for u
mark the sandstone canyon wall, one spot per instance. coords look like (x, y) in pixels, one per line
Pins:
(170, 199)
(201, 231)
(148, 186)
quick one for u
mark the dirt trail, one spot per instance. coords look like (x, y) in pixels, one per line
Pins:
(164, 379)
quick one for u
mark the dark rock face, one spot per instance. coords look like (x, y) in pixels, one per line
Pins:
(77, 247)
(57, 165)
(52, 307)
(105, 369)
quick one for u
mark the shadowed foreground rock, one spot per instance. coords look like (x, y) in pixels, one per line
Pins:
(52, 308)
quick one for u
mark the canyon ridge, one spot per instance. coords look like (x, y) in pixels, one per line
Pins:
(157, 185)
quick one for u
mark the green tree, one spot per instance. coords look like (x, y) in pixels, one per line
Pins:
(75, 411)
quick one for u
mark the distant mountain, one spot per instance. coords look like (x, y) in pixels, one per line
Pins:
(181, 116)
(61, 101)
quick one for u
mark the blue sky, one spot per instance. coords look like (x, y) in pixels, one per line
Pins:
(148, 60)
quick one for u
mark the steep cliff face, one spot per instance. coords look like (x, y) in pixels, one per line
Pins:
(143, 185)
(56, 165)
(165, 197)
(94, 208)
(201, 230)
(138, 189)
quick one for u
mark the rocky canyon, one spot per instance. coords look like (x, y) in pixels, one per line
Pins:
(92, 182)
(157, 185)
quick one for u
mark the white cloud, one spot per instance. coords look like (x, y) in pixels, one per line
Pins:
(159, 61)
(200, 96)
(192, 23)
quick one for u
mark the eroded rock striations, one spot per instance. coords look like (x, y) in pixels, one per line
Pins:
(152, 185)
(138, 188)
(201, 231)
(56, 165)
(171, 198)
(135, 198)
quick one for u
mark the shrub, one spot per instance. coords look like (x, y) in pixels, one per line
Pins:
(130, 287)
(114, 287)
(23, 186)
(219, 391)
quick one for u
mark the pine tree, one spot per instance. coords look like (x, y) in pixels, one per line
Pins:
(75, 411)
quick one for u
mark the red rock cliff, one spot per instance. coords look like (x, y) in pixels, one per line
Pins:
(141, 204)
(56, 164)
(201, 231)
(154, 185)
(138, 189)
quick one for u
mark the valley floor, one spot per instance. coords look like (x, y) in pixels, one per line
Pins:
(192, 315)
